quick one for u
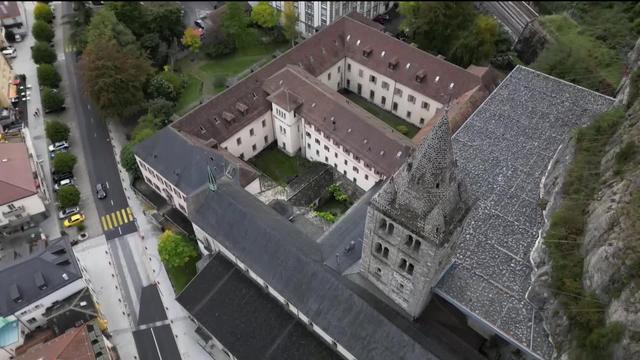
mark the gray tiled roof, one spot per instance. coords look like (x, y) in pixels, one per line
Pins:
(184, 164)
(503, 151)
(48, 265)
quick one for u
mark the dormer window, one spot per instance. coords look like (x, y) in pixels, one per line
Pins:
(393, 63)
(420, 76)
(367, 51)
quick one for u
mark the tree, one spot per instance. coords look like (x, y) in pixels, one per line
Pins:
(165, 19)
(56, 131)
(264, 15)
(235, 22)
(128, 161)
(42, 12)
(42, 31)
(52, 100)
(131, 14)
(176, 80)
(160, 88)
(175, 250)
(161, 111)
(477, 45)
(219, 45)
(115, 76)
(68, 196)
(191, 39)
(289, 22)
(48, 76)
(63, 162)
(104, 26)
(43, 54)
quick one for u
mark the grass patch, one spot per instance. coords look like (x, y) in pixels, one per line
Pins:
(190, 95)
(180, 276)
(592, 337)
(404, 127)
(279, 166)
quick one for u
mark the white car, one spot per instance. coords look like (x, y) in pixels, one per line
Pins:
(18, 37)
(58, 146)
(10, 53)
(68, 212)
(62, 183)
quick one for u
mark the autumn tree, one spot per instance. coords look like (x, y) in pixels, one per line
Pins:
(289, 22)
(264, 15)
(175, 250)
(191, 39)
(235, 23)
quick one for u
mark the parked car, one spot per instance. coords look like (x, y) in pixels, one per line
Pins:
(74, 220)
(57, 177)
(52, 154)
(58, 146)
(68, 212)
(10, 52)
(100, 191)
(63, 182)
(199, 23)
(18, 38)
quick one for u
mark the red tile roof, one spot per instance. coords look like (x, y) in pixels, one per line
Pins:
(73, 344)
(16, 175)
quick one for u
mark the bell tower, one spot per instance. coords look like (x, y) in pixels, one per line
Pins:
(412, 221)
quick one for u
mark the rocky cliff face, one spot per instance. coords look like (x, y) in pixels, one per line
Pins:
(611, 244)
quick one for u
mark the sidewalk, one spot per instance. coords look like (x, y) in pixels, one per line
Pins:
(147, 252)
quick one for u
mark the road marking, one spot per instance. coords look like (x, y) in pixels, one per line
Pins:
(119, 218)
(120, 230)
(111, 202)
(124, 215)
(130, 214)
(88, 107)
(154, 340)
(113, 218)
(116, 218)
(95, 135)
(108, 222)
(104, 223)
(107, 183)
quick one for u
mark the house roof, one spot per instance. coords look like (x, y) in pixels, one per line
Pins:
(345, 37)
(37, 276)
(16, 175)
(503, 151)
(184, 162)
(9, 9)
(367, 137)
(74, 344)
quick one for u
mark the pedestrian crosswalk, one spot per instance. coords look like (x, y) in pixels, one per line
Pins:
(116, 219)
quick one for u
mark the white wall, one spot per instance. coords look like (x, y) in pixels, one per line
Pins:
(163, 187)
(36, 310)
(246, 147)
(417, 112)
(32, 205)
(287, 129)
(337, 75)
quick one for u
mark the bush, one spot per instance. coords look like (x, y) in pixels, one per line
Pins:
(402, 129)
(160, 88)
(338, 194)
(52, 100)
(219, 45)
(176, 80)
(68, 196)
(161, 111)
(48, 76)
(329, 217)
(56, 131)
(41, 53)
(128, 161)
(42, 12)
(42, 31)
(64, 162)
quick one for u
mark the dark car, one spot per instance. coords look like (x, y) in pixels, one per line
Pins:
(382, 19)
(57, 177)
(100, 191)
(199, 23)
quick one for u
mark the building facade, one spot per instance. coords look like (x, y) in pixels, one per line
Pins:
(314, 15)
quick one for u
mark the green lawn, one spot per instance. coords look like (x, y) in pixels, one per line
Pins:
(384, 115)
(277, 165)
(204, 70)
(181, 276)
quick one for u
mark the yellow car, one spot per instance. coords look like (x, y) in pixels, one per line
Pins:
(74, 220)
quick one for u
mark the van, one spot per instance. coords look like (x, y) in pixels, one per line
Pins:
(9, 53)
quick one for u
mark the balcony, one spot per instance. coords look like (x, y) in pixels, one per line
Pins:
(16, 213)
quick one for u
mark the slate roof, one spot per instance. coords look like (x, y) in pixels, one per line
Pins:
(376, 143)
(184, 163)
(26, 275)
(503, 151)
(245, 319)
(345, 37)
(16, 175)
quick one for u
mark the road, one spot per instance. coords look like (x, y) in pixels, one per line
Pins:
(514, 15)
(116, 217)
(196, 9)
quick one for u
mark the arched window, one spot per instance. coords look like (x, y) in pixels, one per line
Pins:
(390, 228)
(416, 245)
(378, 248)
(437, 230)
(410, 269)
(403, 264)
(437, 185)
(383, 224)
(385, 252)
(409, 241)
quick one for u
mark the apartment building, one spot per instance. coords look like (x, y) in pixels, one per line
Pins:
(315, 15)
(350, 53)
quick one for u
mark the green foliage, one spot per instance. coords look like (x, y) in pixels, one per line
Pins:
(402, 129)
(42, 31)
(52, 100)
(64, 162)
(337, 193)
(564, 237)
(191, 39)
(175, 250)
(128, 161)
(235, 23)
(627, 154)
(104, 27)
(220, 81)
(42, 12)
(477, 45)
(131, 14)
(329, 217)
(219, 45)
(264, 15)
(68, 196)
(48, 76)
(161, 111)
(177, 81)
(56, 131)
(79, 23)
(164, 19)
(41, 53)
(634, 88)
(160, 88)
(289, 22)
(145, 129)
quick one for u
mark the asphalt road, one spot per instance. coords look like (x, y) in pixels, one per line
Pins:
(195, 9)
(154, 339)
(100, 160)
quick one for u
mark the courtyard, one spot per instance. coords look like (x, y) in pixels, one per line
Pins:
(279, 166)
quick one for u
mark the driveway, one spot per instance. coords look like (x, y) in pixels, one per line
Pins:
(196, 9)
